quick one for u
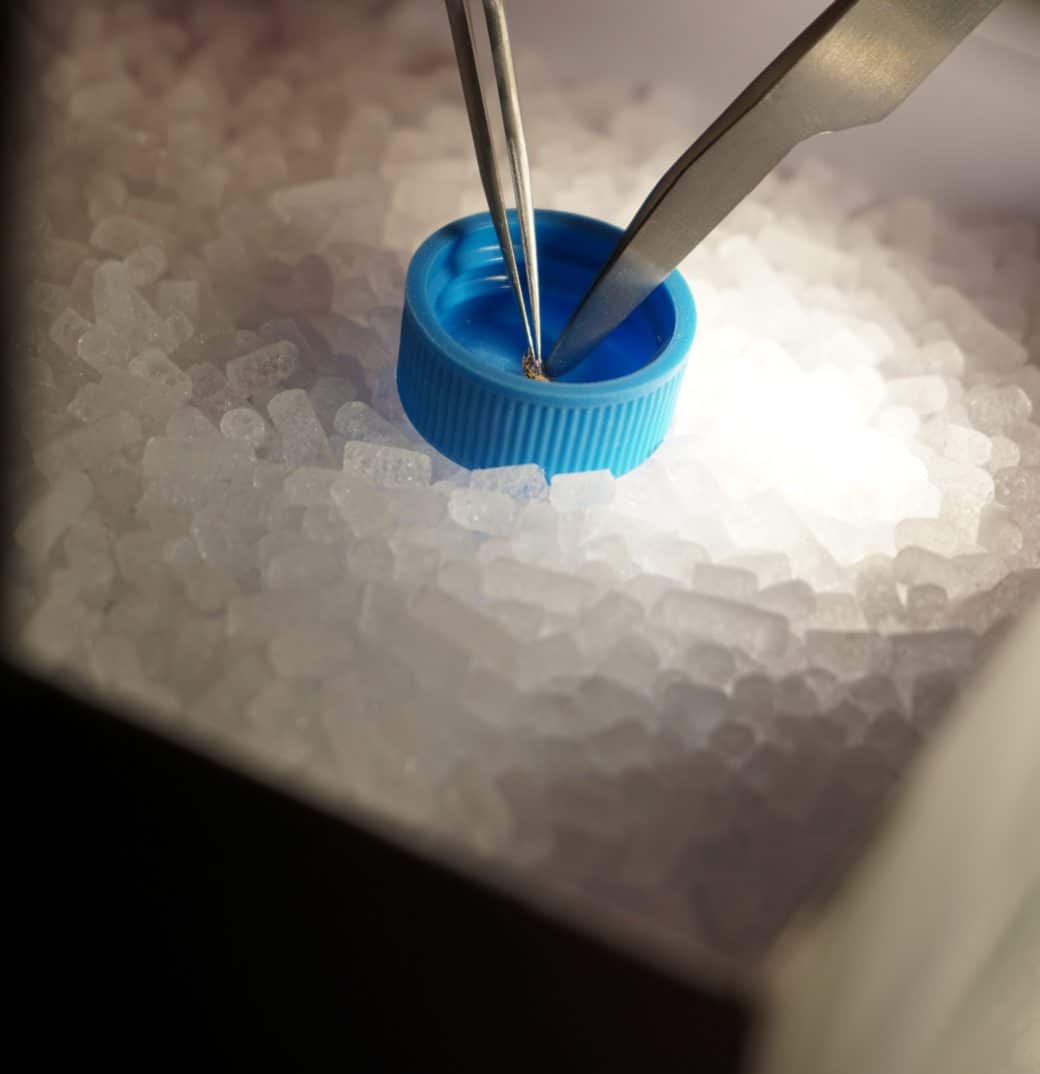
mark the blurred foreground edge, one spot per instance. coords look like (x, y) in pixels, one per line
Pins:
(177, 910)
(928, 959)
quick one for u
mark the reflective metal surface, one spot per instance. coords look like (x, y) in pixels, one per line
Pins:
(852, 66)
(516, 146)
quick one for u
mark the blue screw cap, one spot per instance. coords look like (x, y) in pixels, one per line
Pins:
(459, 371)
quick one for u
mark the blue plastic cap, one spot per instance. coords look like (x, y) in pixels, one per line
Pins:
(459, 369)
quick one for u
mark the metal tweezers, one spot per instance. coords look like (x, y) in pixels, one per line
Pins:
(852, 66)
(516, 146)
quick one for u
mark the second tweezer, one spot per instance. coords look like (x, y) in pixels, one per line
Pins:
(516, 147)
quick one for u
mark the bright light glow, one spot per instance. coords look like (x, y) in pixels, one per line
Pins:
(762, 423)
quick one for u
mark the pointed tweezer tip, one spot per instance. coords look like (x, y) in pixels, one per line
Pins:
(533, 368)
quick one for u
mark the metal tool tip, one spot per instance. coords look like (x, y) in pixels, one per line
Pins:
(533, 368)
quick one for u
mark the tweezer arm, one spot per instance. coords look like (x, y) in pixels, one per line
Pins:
(465, 55)
(516, 145)
(852, 66)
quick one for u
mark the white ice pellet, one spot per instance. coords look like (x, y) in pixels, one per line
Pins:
(1027, 437)
(123, 235)
(793, 600)
(67, 330)
(359, 502)
(206, 588)
(385, 465)
(146, 265)
(529, 584)
(570, 492)
(1004, 454)
(483, 511)
(86, 447)
(1018, 488)
(303, 440)
(997, 409)
(179, 295)
(51, 516)
(310, 486)
(153, 396)
(154, 366)
(923, 395)
(847, 653)
(925, 605)
(328, 395)
(99, 345)
(265, 367)
(963, 444)
(933, 534)
(524, 482)
(358, 421)
(244, 423)
(310, 652)
(717, 580)
(757, 632)
(188, 423)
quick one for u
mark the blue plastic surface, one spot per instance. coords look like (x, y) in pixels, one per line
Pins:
(459, 365)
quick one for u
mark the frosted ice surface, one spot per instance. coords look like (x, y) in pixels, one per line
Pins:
(121, 306)
(310, 486)
(356, 420)
(1027, 437)
(569, 492)
(460, 623)
(669, 556)
(303, 563)
(663, 690)
(525, 482)
(924, 395)
(925, 605)
(999, 533)
(148, 397)
(146, 265)
(51, 516)
(742, 626)
(736, 583)
(303, 439)
(328, 395)
(244, 423)
(322, 523)
(153, 365)
(265, 367)
(385, 465)
(125, 235)
(967, 445)
(769, 568)
(933, 534)
(99, 345)
(1018, 487)
(509, 580)
(177, 330)
(206, 588)
(485, 512)
(67, 330)
(607, 622)
(84, 448)
(1004, 454)
(310, 652)
(180, 296)
(996, 409)
(847, 653)
(793, 599)
(189, 422)
(190, 474)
